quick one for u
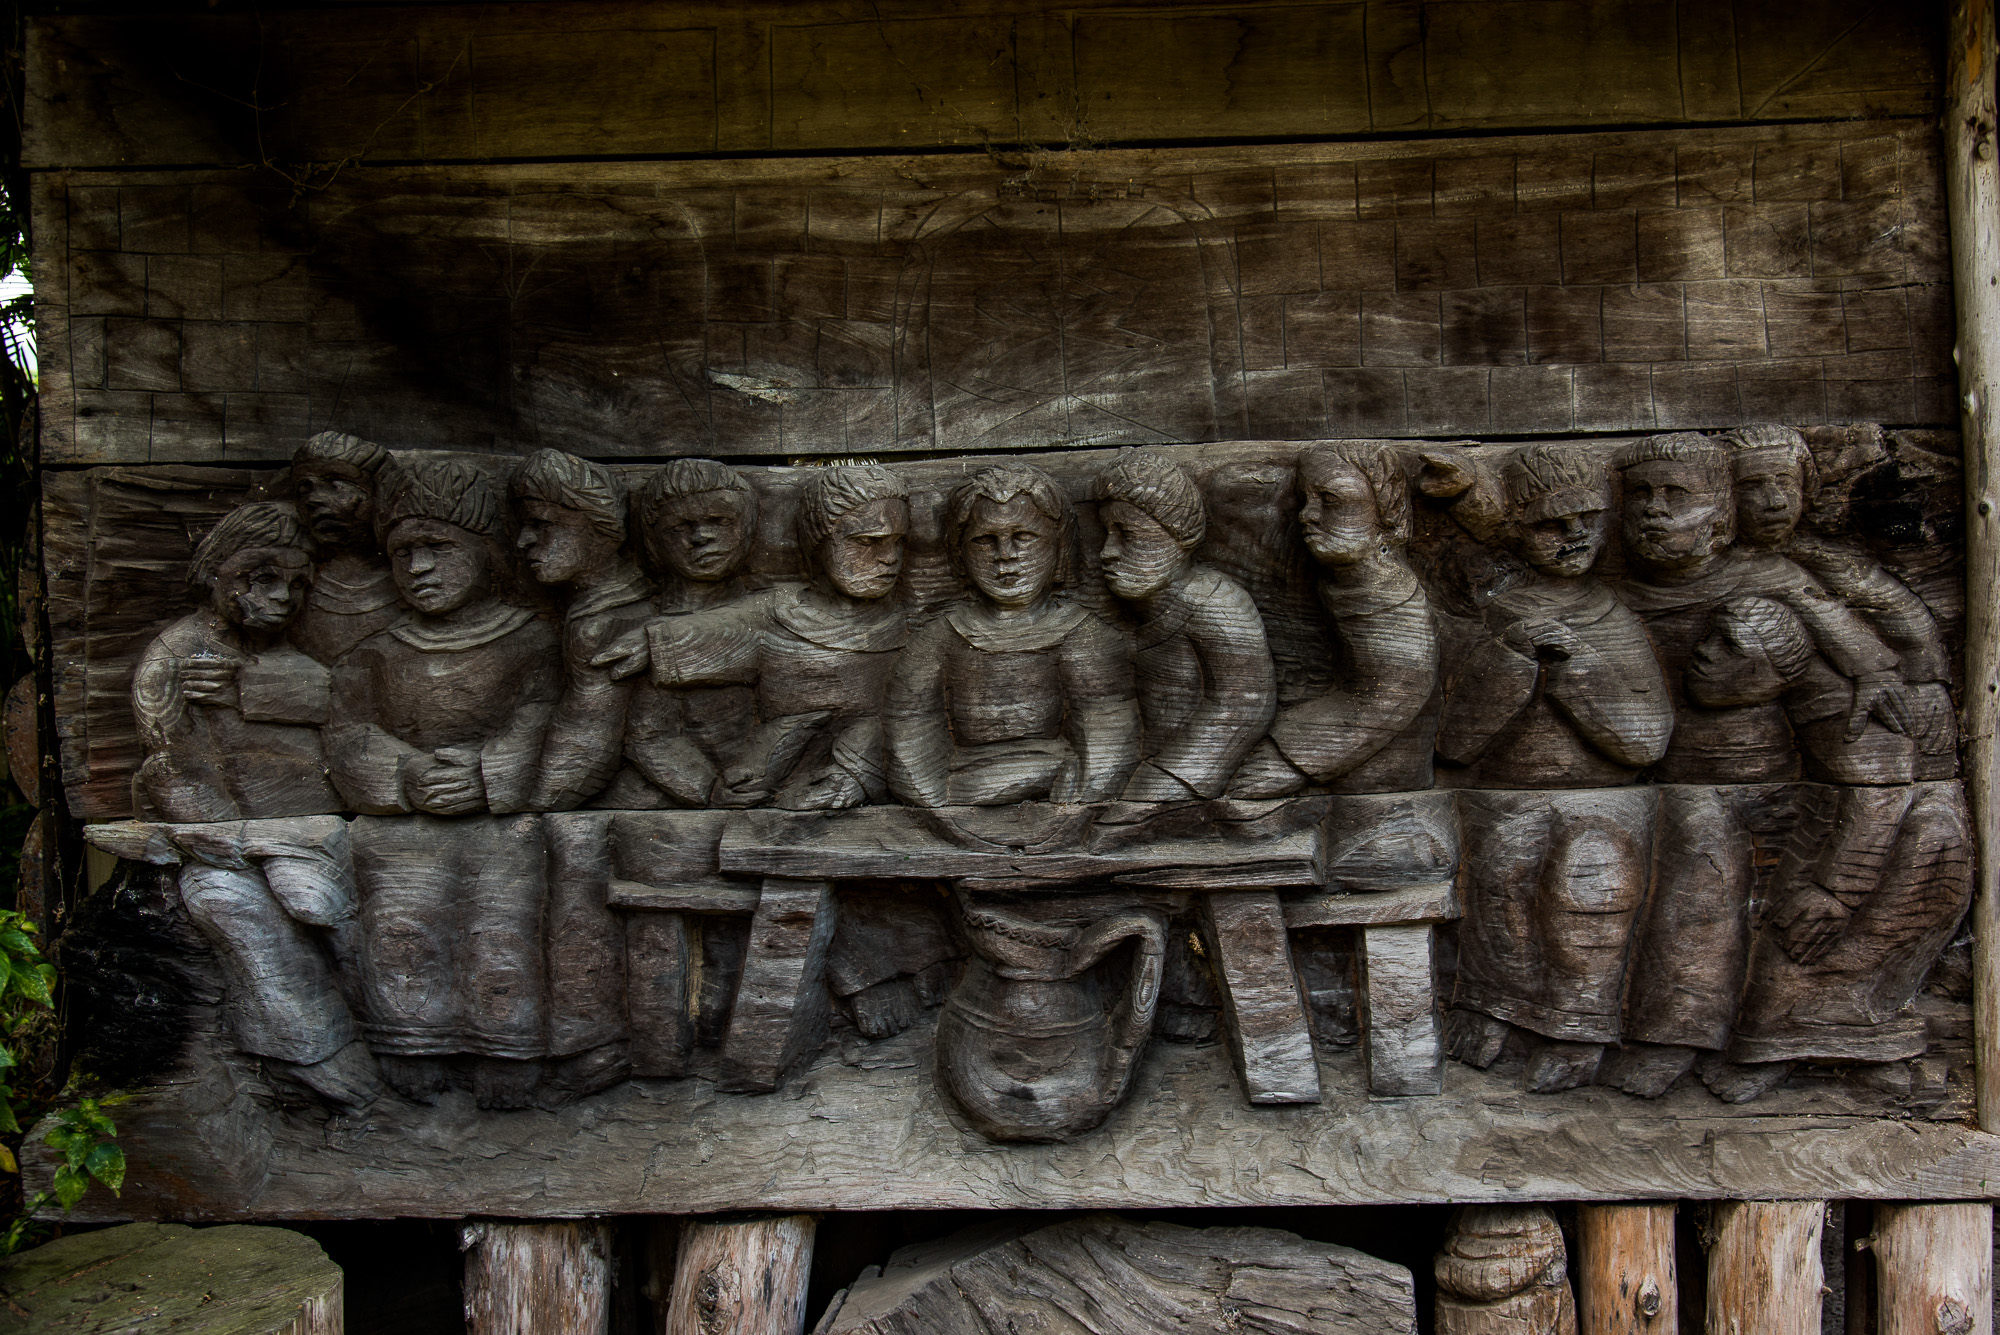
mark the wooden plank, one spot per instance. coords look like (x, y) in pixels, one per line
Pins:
(1416, 903)
(548, 1278)
(1625, 1270)
(1764, 1270)
(781, 1005)
(743, 1277)
(1399, 1010)
(1263, 1013)
(719, 897)
(1934, 1269)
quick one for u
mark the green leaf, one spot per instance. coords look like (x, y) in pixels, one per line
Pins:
(7, 1161)
(70, 1184)
(106, 1163)
(35, 982)
(8, 1123)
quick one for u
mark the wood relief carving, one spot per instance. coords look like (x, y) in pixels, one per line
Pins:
(1609, 762)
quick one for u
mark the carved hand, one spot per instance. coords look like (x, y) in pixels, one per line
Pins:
(834, 790)
(1922, 713)
(448, 784)
(1875, 694)
(625, 655)
(1811, 923)
(209, 681)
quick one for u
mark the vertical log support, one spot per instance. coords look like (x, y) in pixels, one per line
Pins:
(1933, 1269)
(742, 1276)
(1764, 1272)
(781, 1006)
(537, 1279)
(1972, 195)
(1626, 1279)
(1400, 1041)
(1263, 1011)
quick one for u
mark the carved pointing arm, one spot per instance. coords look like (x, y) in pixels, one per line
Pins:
(1239, 695)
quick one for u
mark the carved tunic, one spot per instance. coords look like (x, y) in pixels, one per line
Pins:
(678, 739)
(1207, 688)
(349, 601)
(587, 729)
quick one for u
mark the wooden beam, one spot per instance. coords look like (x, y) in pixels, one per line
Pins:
(1399, 1019)
(742, 1277)
(1263, 1013)
(1764, 1273)
(1972, 206)
(538, 1279)
(1626, 1283)
(1934, 1269)
(781, 1000)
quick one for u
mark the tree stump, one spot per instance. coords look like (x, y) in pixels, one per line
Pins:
(237, 1279)
(1504, 1271)
(538, 1279)
(742, 1276)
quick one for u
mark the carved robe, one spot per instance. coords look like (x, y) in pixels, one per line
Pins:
(349, 601)
(1207, 687)
(821, 670)
(985, 710)
(678, 739)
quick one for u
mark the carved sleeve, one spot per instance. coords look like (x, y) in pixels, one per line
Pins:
(1239, 692)
(365, 760)
(1102, 708)
(1393, 658)
(722, 647)
(1841, 635)
(585, 737)
(509, 760)
(1617, 701)
(1889, 605)
(180, 782)
(916, 732)
(1488, 691)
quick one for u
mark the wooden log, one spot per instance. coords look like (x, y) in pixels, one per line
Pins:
(238, 1279)
(1934, 1269)
(1627, 1284)
(1764, 1273)
(538, 1279)
(1398, 1001)
(1972, 207)
(1270, 1034)
(742, 1276)
(781, 1000)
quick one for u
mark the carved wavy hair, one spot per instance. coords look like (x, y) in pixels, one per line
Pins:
(451, 491)
(1685, 447)
(1547, 470)
(1001, 485)
(592, 490)
(1784, 440)
(678, 478)
(827, 496)
(273, 524)
(1162, 489)
(365, 457)
(1383, 468)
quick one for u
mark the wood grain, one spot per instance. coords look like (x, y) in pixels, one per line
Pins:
(742, 1277)
(1626, 1282)
(549, 1278)
(1764, 1275)
(1934, 1269)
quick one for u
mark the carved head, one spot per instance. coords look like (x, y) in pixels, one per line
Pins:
(1680, 504)
(253, 568)
(698, 519)
(1754, 648)
(851, 524)
(1154, 518)
(572, 516)
(443, 523)
(1775, 477)
(1013, 533)
(1354, 502)
(1558, 509)
(333, 477)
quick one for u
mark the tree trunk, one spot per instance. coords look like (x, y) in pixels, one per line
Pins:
(538, 1279)
(1764, 1274)
(742, 1276)
(1934, 1269)
(1625, 1257)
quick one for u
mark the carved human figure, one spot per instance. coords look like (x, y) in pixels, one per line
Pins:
(1372, 732)
(442, 716)
(353, 595)
(698, 525)
(819, 655)
(1015, 693)
(226, 712)
(1207, 688)
(1561, 691)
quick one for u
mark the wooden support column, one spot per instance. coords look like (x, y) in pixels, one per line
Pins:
(1263, 1011)
(659, 973)
(1764, 1273)
(1972, 205)
(1398, 1001)
(1627, 1283)
(781, 1005)
(538, 1279)
(742, 1276)
(1933, 1269)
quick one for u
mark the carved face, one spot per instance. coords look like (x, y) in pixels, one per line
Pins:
(1672, 520)
(1338, 516)
(1564, 545)
(705, 536)
(1011, 551)
(863, 556)
(1770, 498)
(262, 588)
(561, 544)
(338, 509)
(1140, 557)
(1726, 670)
(439, 567)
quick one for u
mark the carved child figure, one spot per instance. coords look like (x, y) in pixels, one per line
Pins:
(1207, 688)
(1014, 694)
(443, 715)
(1371, 732)
(353, 594)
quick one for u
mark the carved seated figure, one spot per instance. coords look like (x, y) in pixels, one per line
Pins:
(818, 655)
(353, 595)
(443, 716)
(1016, 693)
(1207, 688)
(1371, 732)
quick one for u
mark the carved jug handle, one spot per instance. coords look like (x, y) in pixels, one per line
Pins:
(1131, 1022)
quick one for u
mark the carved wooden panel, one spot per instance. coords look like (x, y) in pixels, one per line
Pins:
(1514, 286)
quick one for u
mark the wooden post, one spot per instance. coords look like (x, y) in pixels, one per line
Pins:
(742, 1276)
(1400, 1040)
(781, 1005)
(1933, 1269)
(538, 1279)
(1627, 1283)
(1764, 1274)
(1972, 205)
(1263, 1013)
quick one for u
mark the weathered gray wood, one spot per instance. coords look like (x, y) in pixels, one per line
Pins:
(742, 1277)
(781, 1001)
(1399, 1009)
(1411, 904)
(1263, 1013)
(722, 897)
(1764, 1270)
(1626, 1281)
(546, 1278)
(660, 989)
(1502, 1272)
(237, 1279)
(1106, 1276)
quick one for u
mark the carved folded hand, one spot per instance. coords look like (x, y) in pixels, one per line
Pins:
(448, 783)
(1550, 641)
(625, 656)
(209, 681)
(1922, 712)
(1811, 922)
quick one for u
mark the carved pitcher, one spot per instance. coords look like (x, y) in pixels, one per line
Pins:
(1029, 1044)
